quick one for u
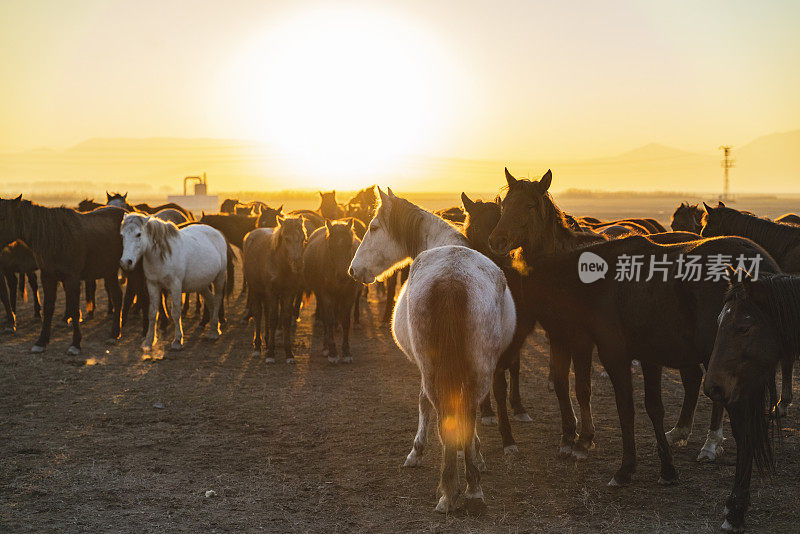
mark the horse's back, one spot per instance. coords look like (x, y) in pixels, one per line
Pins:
(205, 254)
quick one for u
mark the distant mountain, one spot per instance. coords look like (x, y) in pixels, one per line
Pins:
(767, 164)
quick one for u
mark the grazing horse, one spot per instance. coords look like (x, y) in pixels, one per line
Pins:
(16, 258)
(454, 318)
(789, 218)
(273, 261)
(782, 241)
(187, 260)
(152, 210)
(328, 207)
(69, 247)
(615, 315)
(759, 326)
(326, 259)
(481, 219)
(687, 218)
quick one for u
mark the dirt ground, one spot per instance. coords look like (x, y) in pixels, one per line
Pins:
(112, 442)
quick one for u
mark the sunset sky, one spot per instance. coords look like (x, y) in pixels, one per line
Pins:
(337, 85)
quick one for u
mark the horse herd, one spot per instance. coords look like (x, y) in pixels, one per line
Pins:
(478, 280)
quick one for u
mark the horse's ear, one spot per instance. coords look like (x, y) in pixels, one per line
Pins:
(384, 196)
(391, 193)
(510, 179)
(497, 200)
(108, 197)
(468, 204)
(707, 207)
(546, 180)
(18, 199)
(280, 209)
(320, 194)
(684, 204)
(350, 224)
(720, 204)
(125, 196)
(334, 192)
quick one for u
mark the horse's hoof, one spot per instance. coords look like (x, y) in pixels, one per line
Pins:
(413, 459)
(489, 420)
(73, 350)
(269, 360)
(256, 354)
(291, 361)
(677, 437)
(580, 454)
(211, 336)
(523, 417)
(475, 504)
(564, 452)
(36, 349)
(707, 455)
(667, 481)
(176, 346)
(727, 527)
(444, 505)
(347, 359)
(112, 341)
(614, 483)
(147, 348)
(9, 330)
(332, 359)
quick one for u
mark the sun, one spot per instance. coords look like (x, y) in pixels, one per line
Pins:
(342, 94)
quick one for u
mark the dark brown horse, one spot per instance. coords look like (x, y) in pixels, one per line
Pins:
(328, 207)
(789, 218)
(151, 210)
(119, 200)
(782, 241)
(17, 259)
(454, 214)
(759, 327)
(362, 205)
(687, 218)
(233, 227)
(273, 260)
(269, 217)
(614, 313)
(69, 247)
(326, 259)
(481, 219)
(88, 204)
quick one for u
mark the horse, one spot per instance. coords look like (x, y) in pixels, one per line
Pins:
(119, 200)
(638, 225)
(328, 207)
(152, 210)
(269, 217)
(314, 219)
(187, 260)
(789, 218)
(88, 204)
(454, 318)
(614, 315)
(234, 227)
(454, 214)
(362, 205)
(15, 258)
(481, 219)
(273, 260)
(228, 205)
(759, 326)
(687, 218)
(782, 241)
(326, 259)
(69, 247)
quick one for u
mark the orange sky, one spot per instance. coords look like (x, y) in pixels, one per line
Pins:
(339, 88)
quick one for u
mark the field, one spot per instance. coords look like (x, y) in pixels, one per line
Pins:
(112, 441)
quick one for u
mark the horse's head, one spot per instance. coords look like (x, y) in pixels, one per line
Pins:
(712, 220)
(290, 240)
(687, 218)
(747, 345)
(339, 237)
(482, 217)
(8, 216)
(380, 249)
(243, 209)
(119, 200)
(526, 209)
(269, 217)
(135, 239)
(87, 204)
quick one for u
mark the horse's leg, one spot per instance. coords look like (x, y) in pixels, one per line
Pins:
(391, 287)
(49, 285)
(287, 305)
(72, 288)
(448, 481)
(154, 299)
(513, 351)
(560, 356)
(473, 495)
(329, 320)
(655, 410)
(357, 305)
(257, 311)
(215, 299)
(127, 301)
(34, 285)
(787, 366)
(618, 367)
(272, 325)
(414, 458)
(582, 362)
(345, 309)
(488, 418)
(499, 387)
(115, 297)
(691, 377)
(11, 320)
(110, 301)
(712, 448)
(90, 288)
(186, 304)
(739, 500)
(176, 293)
(11, 280)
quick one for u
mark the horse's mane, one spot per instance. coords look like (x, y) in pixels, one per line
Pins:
(161, 233)
(50, 232)
(776, 238)
(404, 222)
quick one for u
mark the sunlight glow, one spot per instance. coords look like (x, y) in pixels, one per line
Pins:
(342, 93)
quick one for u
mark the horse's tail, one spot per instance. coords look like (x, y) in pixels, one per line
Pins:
(452, 371)
(22, 287)
(230, 272)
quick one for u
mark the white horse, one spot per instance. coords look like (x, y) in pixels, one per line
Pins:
(178, 261)
(454, 318)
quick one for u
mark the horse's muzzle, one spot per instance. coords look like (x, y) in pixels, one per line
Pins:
(714, 392)
(126, 264)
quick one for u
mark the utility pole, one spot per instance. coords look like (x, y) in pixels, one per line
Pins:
(727, 163)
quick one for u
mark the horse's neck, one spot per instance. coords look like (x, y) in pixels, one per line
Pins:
(563, 239)
(437, 233)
